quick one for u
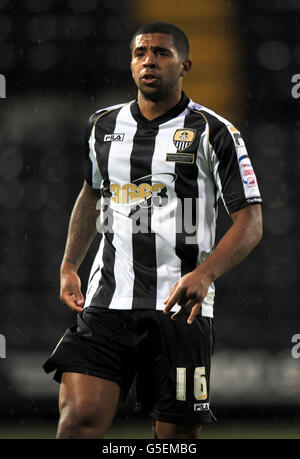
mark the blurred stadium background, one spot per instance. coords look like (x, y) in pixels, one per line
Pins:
(64, 60)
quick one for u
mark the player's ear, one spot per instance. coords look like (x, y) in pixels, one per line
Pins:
(185, 67)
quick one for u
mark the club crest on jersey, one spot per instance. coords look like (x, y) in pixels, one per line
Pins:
(114, 137)
(183, 138)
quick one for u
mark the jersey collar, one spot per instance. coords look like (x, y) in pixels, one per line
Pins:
(172, 113)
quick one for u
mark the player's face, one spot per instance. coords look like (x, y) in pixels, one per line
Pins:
(157, 68)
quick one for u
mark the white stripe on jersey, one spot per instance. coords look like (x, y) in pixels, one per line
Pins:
(96, 176)
(95, 275)
(119, 173)
(216, 163)
(207, 215)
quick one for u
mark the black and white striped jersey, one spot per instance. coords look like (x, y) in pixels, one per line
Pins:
(160, 181)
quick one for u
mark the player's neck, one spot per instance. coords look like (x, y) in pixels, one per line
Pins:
(152, 109)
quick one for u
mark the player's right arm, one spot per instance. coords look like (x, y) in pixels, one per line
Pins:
(81, 233)
(82, 226)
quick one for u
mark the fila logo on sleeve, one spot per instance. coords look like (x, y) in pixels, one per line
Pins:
(114, 137)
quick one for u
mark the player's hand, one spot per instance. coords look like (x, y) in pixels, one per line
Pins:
(70, 290)
(189, 293)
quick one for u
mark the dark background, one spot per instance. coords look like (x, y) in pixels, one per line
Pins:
(62, 61)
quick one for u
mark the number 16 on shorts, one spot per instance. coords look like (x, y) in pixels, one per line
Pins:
(200, 384)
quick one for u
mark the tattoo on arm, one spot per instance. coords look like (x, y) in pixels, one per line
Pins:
(82, 227)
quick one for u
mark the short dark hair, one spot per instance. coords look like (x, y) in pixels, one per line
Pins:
(180, 39)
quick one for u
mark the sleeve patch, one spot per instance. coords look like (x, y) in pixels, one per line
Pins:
(236, 136)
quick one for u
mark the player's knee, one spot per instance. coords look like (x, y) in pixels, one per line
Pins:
(78, 421)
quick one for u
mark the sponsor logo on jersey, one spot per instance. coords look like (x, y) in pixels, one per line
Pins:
(201, 406)
(132, 200)
(251, 181)
(114, 137)
(145, 191)
(187, 158)
(183, 138)
(247, 172)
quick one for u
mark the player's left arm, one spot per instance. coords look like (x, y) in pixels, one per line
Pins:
(244, 234)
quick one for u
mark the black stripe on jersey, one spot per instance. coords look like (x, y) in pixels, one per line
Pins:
(186, 186)
(143, 243)
(92, 277)
(105, 125)
(223, 145)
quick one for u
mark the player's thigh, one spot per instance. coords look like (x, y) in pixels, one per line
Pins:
(88, 398)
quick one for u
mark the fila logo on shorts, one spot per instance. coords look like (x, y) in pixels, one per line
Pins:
(201, 406)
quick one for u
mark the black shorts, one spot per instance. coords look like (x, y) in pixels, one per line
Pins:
(170, 359)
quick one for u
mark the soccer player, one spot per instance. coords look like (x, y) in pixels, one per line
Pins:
(155, 169)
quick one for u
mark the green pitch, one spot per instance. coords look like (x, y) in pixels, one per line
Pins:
(130, 430)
